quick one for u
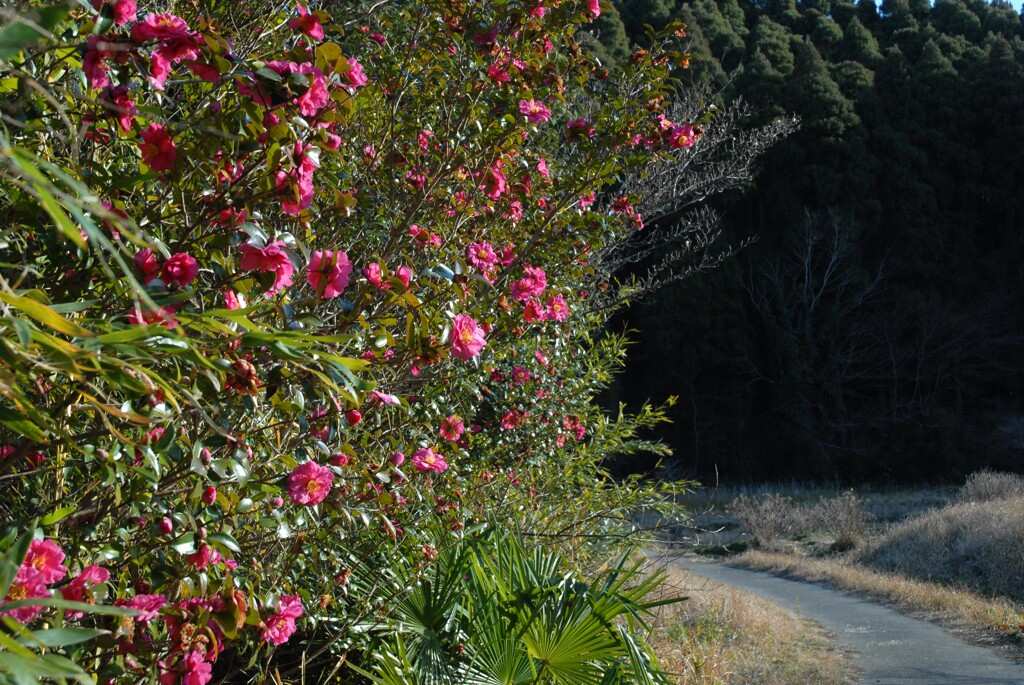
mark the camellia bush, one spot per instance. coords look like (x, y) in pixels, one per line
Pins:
(294, 299)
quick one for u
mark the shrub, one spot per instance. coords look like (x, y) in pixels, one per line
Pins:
(290, 302)
(987, 485)
(843, 516)
(766, 517)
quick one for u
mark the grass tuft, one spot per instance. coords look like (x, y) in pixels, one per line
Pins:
(722, 635)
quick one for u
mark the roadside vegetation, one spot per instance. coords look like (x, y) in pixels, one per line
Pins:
(724, 635)
(952, 555)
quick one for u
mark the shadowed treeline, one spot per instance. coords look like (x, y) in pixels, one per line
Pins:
(874, 331)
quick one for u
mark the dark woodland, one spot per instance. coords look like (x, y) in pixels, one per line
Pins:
(873, 329)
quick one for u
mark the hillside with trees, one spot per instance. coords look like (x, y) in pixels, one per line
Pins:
(873, 331)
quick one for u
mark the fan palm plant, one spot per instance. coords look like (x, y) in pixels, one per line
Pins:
(491, 612)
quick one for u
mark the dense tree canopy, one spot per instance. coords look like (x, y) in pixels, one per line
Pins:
(912, 125)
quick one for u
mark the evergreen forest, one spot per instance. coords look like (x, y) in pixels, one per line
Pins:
(870, 329)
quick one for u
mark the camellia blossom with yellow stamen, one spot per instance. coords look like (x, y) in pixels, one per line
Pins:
(309, 483)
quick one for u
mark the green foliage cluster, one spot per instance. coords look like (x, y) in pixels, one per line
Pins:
(874, 330)
(295, 299)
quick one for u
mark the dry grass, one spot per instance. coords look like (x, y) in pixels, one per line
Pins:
(726, 636)
(769, 517)
(986, 485)
(953, 605)
(978, 545)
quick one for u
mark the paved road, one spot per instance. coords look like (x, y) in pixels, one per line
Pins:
(890, 649)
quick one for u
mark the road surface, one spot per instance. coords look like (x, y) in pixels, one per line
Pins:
(888, 648)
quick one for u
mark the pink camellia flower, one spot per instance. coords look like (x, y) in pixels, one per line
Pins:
(149, 605)
(532, 284)
(376, 398)
(97, 51)
(542, 168)
(80, 587)
(318, 428)
(557, 309)
(533, 310)
(374, 274)
(354, 77)
(124, 11)
(158, 151)
(494, 182)
(513, 419)
(307, 23)
(423, 237)
(328, 272)
(452, 428)
(404, 274)
(481, 255)
(515, 212)
(231, 299)
(195, 669)
(316, 96)
(209, 495)
(280, 626)
(208, 556)
(180, 269)
(534, 111)
(176, 43)
(147, 266)
(467, 337)
(160, 27)
(574, 424)
(397, 459)
(507, 255)
(296, 186)
(25, 589)
(274, 257)
(594, 7)
(207, 72)
(43, 563)
(498, 73)
(425, 459)
(521, 374)
(119, 104)
(309, 483)
(682, 136)
(163, 316)
(578, 129)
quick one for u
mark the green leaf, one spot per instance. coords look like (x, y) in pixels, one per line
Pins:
(57, 515)
(62, 637)
(22, 424)
(226, 540)
(44, 315)
(20, 668)
(186, 544)
(72, 605)
(105, 20)
(24, 31)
